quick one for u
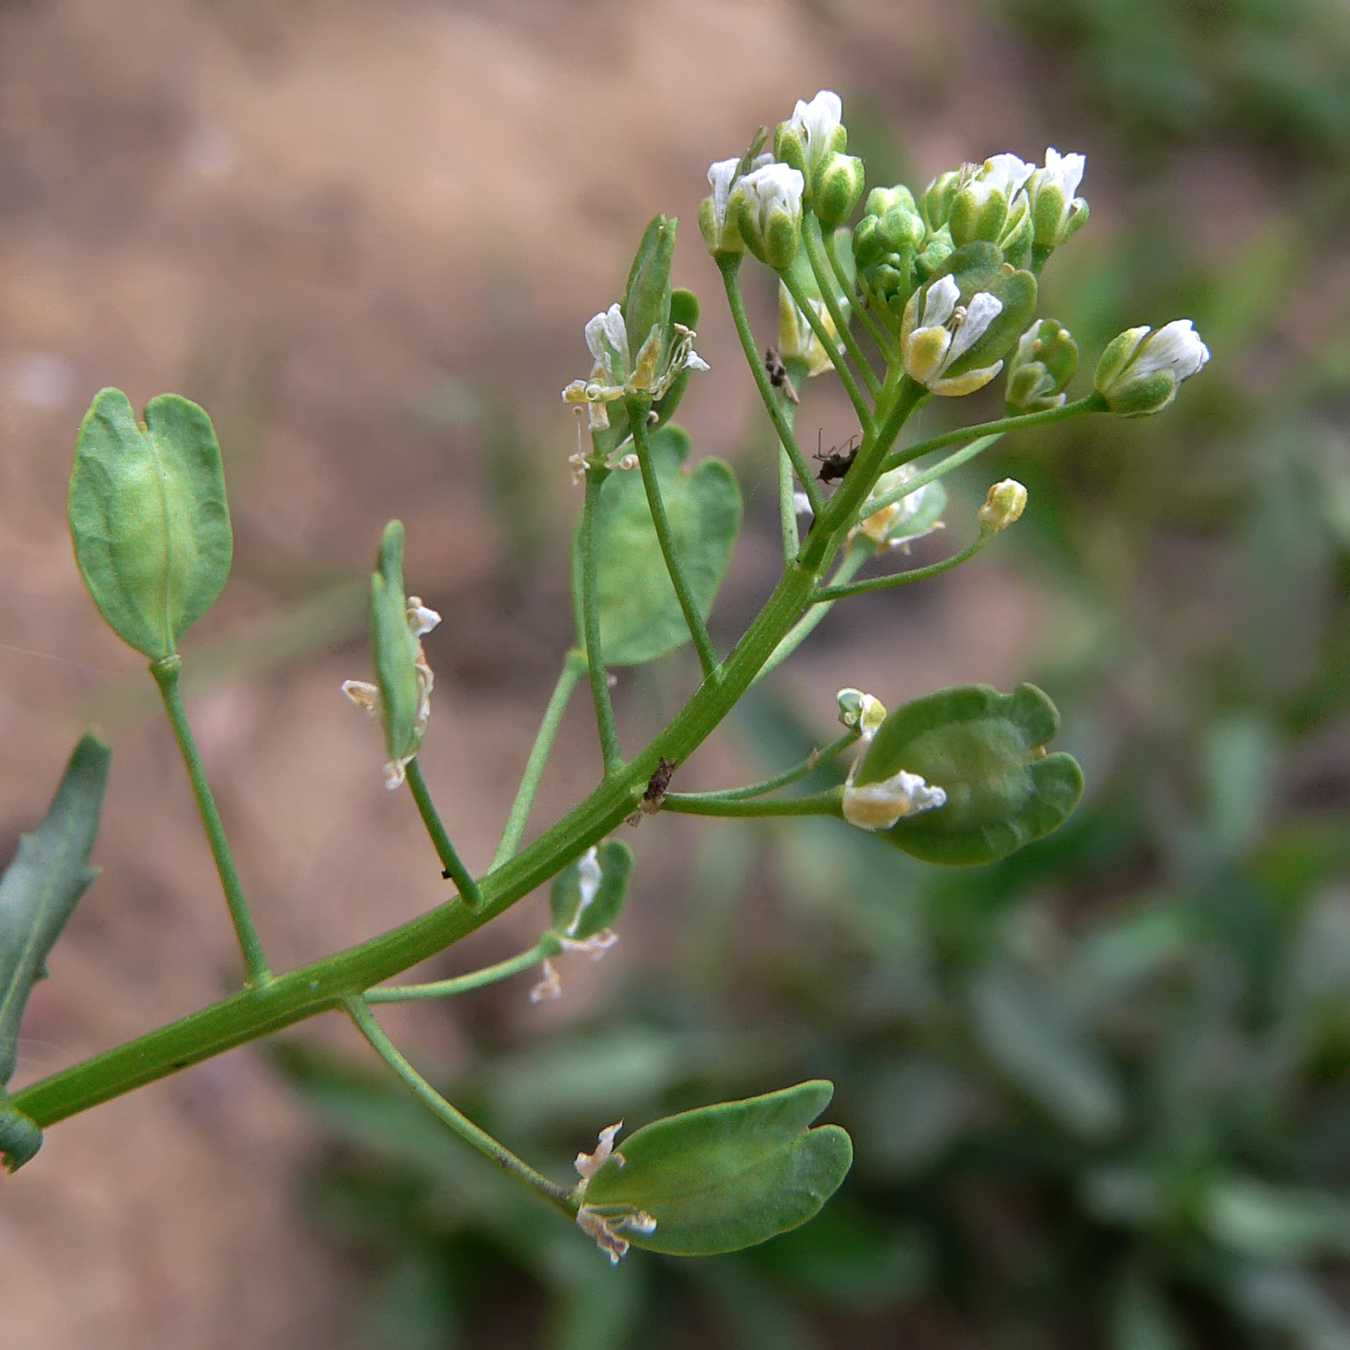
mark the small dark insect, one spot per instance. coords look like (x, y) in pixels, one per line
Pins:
(778, 374)
(838, 461)
(655, 793)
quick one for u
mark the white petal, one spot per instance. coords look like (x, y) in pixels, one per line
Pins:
(1176, 346)
(1065, 170)
(1007, 173)
(719, 179)
(939, 301)
(980, 313)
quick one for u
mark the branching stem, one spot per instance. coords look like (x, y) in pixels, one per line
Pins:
(451, 865)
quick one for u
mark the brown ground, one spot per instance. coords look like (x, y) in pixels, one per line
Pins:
(309, 216)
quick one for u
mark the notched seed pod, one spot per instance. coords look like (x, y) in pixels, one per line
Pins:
(148, 518)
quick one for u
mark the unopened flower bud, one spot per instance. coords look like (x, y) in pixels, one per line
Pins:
(936, 203)
(1003, 506)
(1041, 368)
(1140, 370)
(860, 712)
(767, 205)
(715, 218)
(839, 185)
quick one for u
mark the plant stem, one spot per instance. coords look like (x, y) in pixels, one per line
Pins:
(815, 760)
(256, 972)
(360, 1013)
(547, 946)
(821, 269)
(589, 624)
(787, 504)
(772, 405)
(885, 343)
(831, 345)
(854, 557)
(939, 470)
(831, 593)
(574, 667)
(1022, 422)
(818, 804)
(323, 984)
(453, 869)
(698, 630)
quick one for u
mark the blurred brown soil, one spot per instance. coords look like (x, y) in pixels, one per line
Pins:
(311, 216)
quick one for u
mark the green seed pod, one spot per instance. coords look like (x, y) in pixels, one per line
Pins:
(396, 652)
(148, 518)
(646, 302)
(588, 895)
(986, 752)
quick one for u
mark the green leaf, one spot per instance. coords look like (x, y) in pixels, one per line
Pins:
(395, 649)
(640, 615)
(1286, 1224)
(986, 751)
(148, 518)
(583, 903)
(38, 893)
(728, 1176)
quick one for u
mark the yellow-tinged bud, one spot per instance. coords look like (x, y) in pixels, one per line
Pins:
(1004, 505)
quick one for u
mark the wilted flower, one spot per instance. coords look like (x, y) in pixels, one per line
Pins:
(860, 712)
(1041, 367)
(888, 525)
(877, 806)
(797, 340)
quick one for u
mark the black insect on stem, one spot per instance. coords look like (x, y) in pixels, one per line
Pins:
(777, 372)
(835, 463)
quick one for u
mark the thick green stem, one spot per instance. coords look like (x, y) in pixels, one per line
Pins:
(1022, 422)
(574, 667)
(452, 868)
(547, 946)
(322, 985)
(831, 346)
(809, 765)
(821, 269)
(366, 1024)
(588, 622)
(853, 558)
(828, 803)
(829, 594)
(698, 630)
(773, 405)
(256, 972)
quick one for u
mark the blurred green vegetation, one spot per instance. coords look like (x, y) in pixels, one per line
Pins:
(1100, 1091)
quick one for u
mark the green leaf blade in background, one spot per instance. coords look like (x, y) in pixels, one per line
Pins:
(640, 614)
(149, 518)
(38, 894)
(729, 1176)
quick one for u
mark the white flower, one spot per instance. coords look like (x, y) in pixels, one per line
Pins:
(550, 987)
(817, 127)
(944, 334)
(1004, 173)
(1055, 209)
(715, 217)
(1141, 368)
(769, 194)
(877, 806)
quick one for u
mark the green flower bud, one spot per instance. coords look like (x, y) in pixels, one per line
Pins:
(936, 203)
(1140, 370)
(148, 518)
(839, 185)
(860, 712)
(978, 211)
(715, 218)
(1041, 368)
(933, 258)
(1003, 506)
